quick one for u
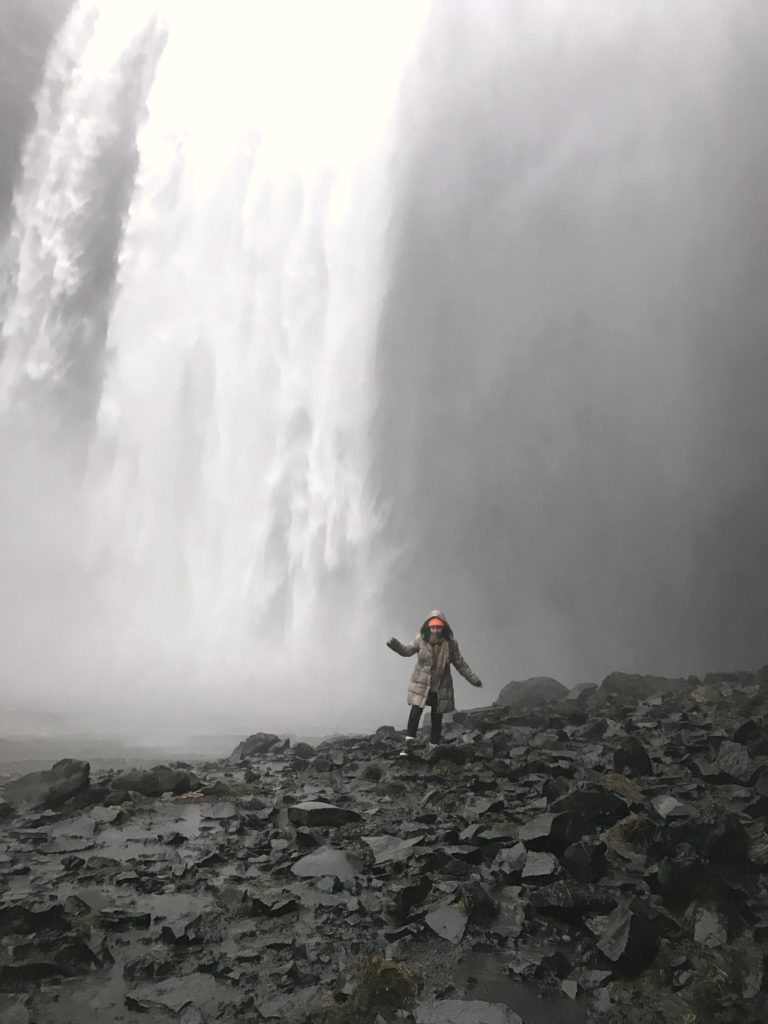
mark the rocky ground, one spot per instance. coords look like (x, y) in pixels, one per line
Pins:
(601, 857)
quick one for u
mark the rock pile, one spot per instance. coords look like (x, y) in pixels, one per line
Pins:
(603, 858)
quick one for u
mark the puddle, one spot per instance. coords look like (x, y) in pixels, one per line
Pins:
(494, 986)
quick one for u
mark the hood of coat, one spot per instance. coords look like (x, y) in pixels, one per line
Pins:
(436, 614)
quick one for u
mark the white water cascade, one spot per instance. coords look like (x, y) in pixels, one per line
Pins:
(225, 526)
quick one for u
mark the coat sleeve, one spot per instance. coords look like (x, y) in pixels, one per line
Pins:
(409, 649)
(462, 667)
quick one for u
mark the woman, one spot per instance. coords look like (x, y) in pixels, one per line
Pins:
(431, 683)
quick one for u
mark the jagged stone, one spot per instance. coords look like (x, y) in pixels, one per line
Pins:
(540, 866)
(629, 938)
(68, 778)
(326, 861)
(631, 756)
(391, 849)
(448, 921)
(710, 928)
(481, 907)
(593, 805)
(550, 831)
(585, 861)
(316, 813)
(410, 896)
(734, 761)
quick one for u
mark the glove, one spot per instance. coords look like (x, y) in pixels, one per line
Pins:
(479, 685)
(392, 643)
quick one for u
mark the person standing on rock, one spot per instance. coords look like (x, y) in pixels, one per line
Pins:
(431, 683)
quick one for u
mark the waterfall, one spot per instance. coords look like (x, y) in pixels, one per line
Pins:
(225, 526)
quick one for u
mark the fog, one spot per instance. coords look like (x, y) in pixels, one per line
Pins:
(522, 380)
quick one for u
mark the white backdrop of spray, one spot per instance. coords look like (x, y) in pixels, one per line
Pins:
(225, 528)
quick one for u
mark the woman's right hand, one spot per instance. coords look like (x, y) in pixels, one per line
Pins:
(392, 643)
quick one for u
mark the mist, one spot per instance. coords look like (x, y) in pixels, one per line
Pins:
(494, 343)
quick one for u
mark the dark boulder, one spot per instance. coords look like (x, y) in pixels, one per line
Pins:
(592, 805)
(314, 813)
(629, 937)
(304, 751)
(48, 789)
(529, 693)
(156, 781)
(258, 743)
(637, 687)
(632, 757)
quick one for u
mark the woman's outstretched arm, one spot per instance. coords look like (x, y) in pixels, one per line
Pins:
(405, 650)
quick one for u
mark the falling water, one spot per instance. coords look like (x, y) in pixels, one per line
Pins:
(223, 517)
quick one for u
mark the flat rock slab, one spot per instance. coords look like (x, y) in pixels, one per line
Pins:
(314, 813)
(540, 865)
(447, 921)
(669, 807)
(391, 849)
(326, 861)
(471, 1011)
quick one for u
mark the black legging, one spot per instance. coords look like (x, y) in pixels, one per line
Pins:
(436, 723)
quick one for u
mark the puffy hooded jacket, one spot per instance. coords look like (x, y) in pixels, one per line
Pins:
(418, 689)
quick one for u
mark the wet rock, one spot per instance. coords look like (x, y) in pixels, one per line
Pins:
(275, 904)
(471, 1011)
(326, 861)
(540, 866)
(258, 743)
(593, 805)
(550, 831)
(530, 693)
(6, 809)
(670, 808)
(568, 896)
(304, 751)
(13, 1011)
(734, 761)
(632, 757)
(53, 788)
(121, 920)
(448, 921)
(481, 907)
(391, 849)
(147, 968)
(316, 813)
(629, 938)
(156, 781)
(511, 861)
(585, 861)
(453, 753)
(410, 896)
(710, 928)
(21, 920)
(191, 933)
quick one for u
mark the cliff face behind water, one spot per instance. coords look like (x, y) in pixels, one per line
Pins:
(600, 857)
